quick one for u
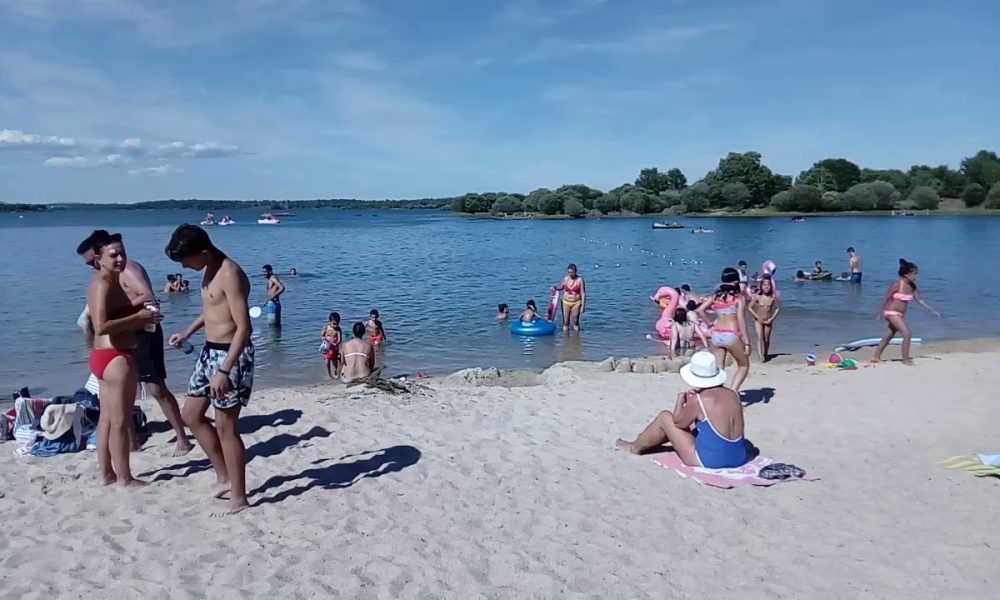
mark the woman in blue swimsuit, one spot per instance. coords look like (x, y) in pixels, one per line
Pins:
(705, 427)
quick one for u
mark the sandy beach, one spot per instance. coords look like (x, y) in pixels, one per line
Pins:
(489, 491)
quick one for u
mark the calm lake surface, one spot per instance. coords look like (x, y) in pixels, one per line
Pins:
(437, 279)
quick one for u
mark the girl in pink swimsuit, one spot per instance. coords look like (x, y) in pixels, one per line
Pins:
(893, 309)
(729, 332)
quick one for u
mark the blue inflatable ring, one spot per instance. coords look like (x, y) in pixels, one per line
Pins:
(536, 327)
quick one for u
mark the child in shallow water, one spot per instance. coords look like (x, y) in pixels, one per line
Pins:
(503, 312)
(528, 314)
(374, 329)
(331, 337)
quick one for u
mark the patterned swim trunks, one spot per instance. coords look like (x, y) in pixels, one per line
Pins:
(240, 377)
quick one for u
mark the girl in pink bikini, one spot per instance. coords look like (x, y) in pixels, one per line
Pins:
(729, 332)
(893, 308)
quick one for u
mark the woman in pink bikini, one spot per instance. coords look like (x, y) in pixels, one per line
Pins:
(893, 308)
(729, 332)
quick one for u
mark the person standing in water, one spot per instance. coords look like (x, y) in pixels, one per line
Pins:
(149, 360)
(854, 263)
(893, 308)
(330, 346)
(764, 309)
(223, 373)
(274, 290)
(376, 333)
(116, 320)
(741, 267)
(729, 332)
(574, 301)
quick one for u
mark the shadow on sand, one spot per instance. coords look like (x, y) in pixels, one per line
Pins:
(341, 474)
(758, 396)
(264, 449)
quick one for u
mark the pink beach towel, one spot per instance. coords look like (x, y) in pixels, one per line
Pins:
(722, 478)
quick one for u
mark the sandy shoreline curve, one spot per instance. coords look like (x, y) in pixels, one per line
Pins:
(512, 489)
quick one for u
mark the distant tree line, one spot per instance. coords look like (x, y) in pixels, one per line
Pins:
(742, 181)
(5, 208)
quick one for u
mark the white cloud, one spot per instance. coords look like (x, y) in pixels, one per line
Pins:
(18, 140)
(86, 162)
(67, 152)
(157, 171)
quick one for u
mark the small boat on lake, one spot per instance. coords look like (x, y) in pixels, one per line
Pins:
(674, 225)
(268, 219)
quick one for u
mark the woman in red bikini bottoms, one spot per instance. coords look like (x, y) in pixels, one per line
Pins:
(893, 308)
(729, 332)
(112, 360)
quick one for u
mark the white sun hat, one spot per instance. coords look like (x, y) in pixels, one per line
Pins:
(703, 372)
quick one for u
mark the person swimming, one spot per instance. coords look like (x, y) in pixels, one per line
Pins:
(503, 312)
(529, 313)
(893, 309)
(800, 276)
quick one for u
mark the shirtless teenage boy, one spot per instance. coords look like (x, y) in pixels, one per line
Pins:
(854, 262)
(223, 373)
(274, 290)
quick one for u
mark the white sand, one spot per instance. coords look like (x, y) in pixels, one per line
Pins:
(488, 492)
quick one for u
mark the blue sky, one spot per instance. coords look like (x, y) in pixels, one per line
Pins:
(130, 100)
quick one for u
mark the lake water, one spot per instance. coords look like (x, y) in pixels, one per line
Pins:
(437, 280)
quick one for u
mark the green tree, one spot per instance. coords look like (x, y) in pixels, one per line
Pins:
(665, 200)
(695, 197)
(507, 205)
(923, 176)
(831, 202)
(993, 197)
(875, 195)
(551, 204)
(458, 204)
(533, 202)
(735, 195)
(477, 203)
(637, 200)
(845, 173)
(651, 180)
(983, 168)
(676, 179)
(583, 194)
(800, 198)
(574, 208)
(924, 198)
(818, 177)
(782, 201)
(974, 195)
(608, 203)
(897, 178)
(747, 169)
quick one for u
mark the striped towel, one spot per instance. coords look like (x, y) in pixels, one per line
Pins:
(981, 465)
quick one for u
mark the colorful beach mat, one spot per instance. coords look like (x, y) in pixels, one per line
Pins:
(748, 474)
(980, 465)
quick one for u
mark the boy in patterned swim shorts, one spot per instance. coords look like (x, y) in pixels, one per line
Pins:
(223, 373)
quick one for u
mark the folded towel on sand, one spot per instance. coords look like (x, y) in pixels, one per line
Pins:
(980, 466)
(748, 474)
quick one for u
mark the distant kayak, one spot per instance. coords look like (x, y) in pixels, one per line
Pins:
(668, 226)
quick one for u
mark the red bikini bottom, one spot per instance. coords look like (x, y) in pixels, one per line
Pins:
(101, 358)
